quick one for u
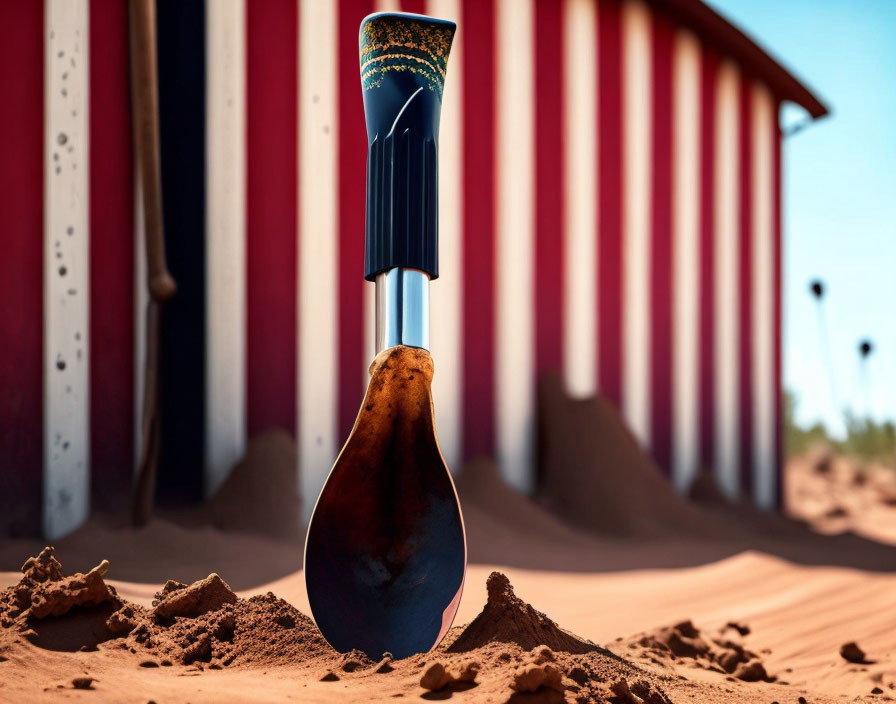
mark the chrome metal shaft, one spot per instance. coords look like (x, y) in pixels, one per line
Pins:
(402, 309)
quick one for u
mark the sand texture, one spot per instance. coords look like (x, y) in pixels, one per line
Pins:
(605, 586)
(218, 647)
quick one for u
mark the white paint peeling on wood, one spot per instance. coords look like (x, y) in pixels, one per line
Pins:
(66, 268)
(225, 432)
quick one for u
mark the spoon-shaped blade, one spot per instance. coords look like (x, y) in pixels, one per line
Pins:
(385, 554)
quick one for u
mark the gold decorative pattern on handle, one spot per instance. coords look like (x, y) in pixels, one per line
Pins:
(395, 43)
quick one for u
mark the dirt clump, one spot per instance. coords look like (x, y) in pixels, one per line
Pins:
(83, 682)
(508, 619)
(57, 597)
(539, 670)
(261, 630)
(685, 642)
(639, 692)
(44, 591)
(208, 594)
(437, 676)
(851, 652)
(203, 622)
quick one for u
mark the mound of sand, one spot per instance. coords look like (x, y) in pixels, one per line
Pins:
(260, 495)
(508, 619)
(596, 475)
(203, 622)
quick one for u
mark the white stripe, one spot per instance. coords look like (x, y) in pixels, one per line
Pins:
(636, 217)
(580, 206)
(225, 384)
(445, 293)
(317, 247)
(141, 302)
(686, 257)
(514, 300)
(727, 270)
(764, 484)
(66, 484)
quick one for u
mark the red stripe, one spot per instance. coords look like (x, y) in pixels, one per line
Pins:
(271, 211)
(745, 311)
(352, 189)
(661, 244)
(609, 196)
(21, 222)
(708, 73)
(111, 255)
(416, 6)
(778, 303)
(479, 226)
(549, 206)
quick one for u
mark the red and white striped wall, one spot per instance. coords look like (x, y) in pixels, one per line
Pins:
(610, 209)
(66, 218)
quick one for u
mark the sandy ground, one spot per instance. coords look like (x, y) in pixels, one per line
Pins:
(801, 594)
(799, 615)
(836, 494)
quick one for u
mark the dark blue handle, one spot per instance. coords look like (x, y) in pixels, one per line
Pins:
(403, 62)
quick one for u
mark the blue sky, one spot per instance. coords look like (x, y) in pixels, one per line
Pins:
(839, 197)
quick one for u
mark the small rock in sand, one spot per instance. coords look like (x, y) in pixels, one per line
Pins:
(83, 682)
(208, 594)
(851, 652)
(437, 676)
(330, 677)
(753, 671)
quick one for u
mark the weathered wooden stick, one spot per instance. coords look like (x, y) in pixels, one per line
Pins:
(161, 285)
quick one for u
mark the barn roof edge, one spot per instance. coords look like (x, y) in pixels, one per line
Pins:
(727, 39)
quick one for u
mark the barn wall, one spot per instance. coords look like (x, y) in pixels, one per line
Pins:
(610, 209)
